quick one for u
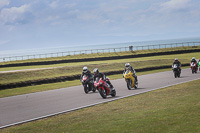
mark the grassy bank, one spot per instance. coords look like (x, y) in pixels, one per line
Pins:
(172, 109)
(76, 68)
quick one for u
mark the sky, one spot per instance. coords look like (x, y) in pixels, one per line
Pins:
(27, 24)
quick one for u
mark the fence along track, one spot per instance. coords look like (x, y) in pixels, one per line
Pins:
(106, 50)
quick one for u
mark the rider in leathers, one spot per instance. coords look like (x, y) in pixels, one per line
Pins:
(194, 60)
(98, 74)
(87, 73)
(129, 67)
(176, 61)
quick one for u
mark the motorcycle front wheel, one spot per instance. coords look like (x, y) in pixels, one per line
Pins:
(175, 74)
(113, 94)
(129, 84)
(86, 88)
(192, 71)
(102, 93)
(94, 89)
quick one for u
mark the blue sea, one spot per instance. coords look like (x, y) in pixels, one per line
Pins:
(57, 51)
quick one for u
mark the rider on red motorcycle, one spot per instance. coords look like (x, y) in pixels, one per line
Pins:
(87, 73)
(176, 61)
(98, 74)
(129, 67)
(194, 60)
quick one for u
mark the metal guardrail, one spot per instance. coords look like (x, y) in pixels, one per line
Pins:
(106, 50)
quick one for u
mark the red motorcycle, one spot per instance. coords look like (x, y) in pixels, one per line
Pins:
(193, 67)
(88, 84)
(103, 88)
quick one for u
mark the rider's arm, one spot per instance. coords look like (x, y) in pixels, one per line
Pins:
(103, 76)
(133, 70)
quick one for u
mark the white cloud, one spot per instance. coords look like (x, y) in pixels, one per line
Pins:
(13, 15)
(175, 5)
(4, 3)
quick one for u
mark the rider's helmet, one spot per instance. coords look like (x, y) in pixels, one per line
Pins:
(176, 59)
(193, 58)
(85, 69)
(127, 65)
(96, 71)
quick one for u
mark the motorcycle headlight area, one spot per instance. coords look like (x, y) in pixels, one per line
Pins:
(101, 83)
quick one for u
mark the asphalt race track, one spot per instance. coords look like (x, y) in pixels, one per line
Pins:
(33, 106)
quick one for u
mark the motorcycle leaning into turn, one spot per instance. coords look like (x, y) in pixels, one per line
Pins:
(130, 80)
(103, 88)
(88, 84)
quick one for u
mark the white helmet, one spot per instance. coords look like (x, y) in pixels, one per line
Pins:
(193, 58)
(96, 71)
(176, 59)
(127, 65)
(85, 69)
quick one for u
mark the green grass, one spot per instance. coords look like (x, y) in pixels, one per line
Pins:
(174, 109)
(68, 71)
(76, 68)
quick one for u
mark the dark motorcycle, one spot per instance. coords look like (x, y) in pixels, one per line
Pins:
(88, 84)
(104, 89)
(176, 71)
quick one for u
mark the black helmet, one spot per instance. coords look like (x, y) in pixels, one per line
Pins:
(85, 69)
(96, 71)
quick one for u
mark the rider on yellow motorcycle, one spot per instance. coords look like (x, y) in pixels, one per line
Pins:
(129, 67)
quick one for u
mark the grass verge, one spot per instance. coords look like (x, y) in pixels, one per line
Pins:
(173, 109)
(105, 66)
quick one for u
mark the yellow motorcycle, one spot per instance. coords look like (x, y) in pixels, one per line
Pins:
(130, 80)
